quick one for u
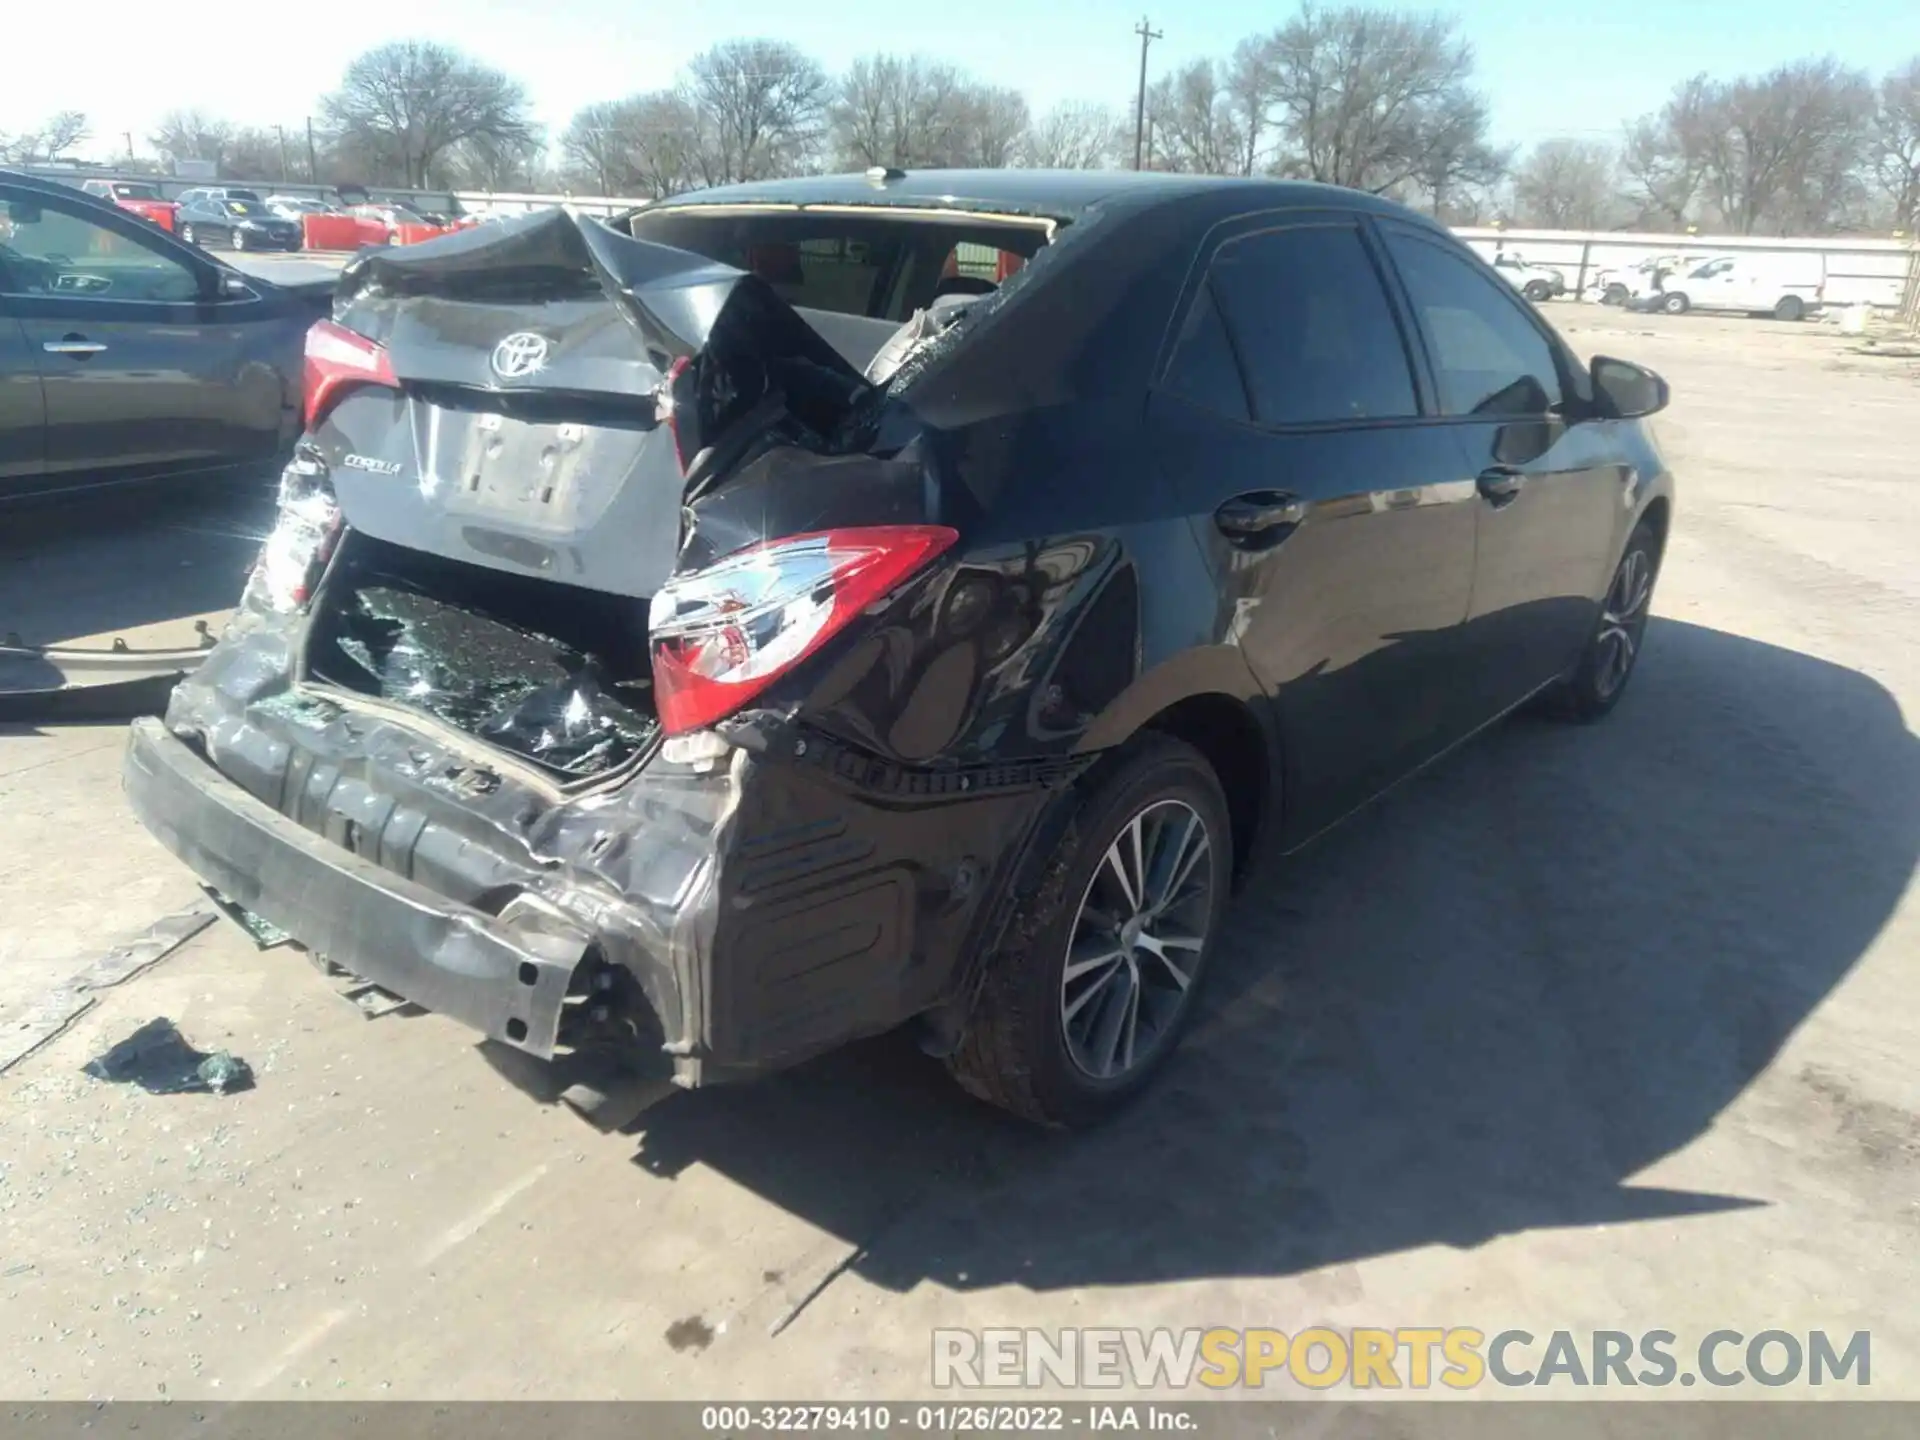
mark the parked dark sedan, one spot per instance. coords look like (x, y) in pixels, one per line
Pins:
(697, 643)
(127, 355)
(238, 224)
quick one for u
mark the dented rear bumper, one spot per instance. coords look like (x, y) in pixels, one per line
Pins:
(711, 921)
(508, 983)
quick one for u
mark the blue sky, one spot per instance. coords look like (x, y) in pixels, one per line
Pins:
(1550, 68)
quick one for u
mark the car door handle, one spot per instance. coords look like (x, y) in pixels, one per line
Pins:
(1259, 515)
(73, 345)
(1500, 484)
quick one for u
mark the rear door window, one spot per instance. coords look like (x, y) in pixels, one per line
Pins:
(1202, 370)
(1313, 327)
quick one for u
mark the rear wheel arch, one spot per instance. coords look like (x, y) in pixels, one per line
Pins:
(1223, 729)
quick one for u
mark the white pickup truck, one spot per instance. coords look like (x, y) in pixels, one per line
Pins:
(1536, 282)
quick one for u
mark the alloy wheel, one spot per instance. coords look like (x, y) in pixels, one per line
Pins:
(1623, 620)
(186, 234)
(1136, 941)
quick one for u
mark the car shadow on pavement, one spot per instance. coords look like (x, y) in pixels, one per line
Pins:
(103, 563)
(1481, 1007)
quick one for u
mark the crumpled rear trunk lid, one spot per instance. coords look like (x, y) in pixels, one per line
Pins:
(552, 375)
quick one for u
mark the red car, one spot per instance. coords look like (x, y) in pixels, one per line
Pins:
(142, 199)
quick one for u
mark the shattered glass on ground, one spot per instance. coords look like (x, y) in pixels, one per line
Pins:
(525, 692)
(158, 1059)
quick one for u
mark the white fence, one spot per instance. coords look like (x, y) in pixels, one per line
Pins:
(1858, 271)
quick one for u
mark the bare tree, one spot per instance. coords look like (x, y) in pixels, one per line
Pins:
(1788, 146)
(254, 153)
(593, 144)
(993, 120)
(898, 110)
(193, 135)
(918, 113)
(1785, 150)
(1459, 168)
(62, 133)
(644, 145)
(761, 106)
(1568, 185)
(402, 107)
(1248, 83)
(48, 141)
(1370, 98)
(1896, 144)
(1195, 127)
(1074, 135)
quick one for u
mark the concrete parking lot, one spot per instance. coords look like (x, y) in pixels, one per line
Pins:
(1606, 1028)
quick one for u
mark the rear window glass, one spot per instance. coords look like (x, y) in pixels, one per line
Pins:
(879, 268)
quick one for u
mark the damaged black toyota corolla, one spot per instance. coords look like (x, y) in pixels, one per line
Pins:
(802, 608)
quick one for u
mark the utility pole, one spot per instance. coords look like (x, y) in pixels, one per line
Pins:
(1147, 36)
(127, 135)
(281, 131)
(313, 164)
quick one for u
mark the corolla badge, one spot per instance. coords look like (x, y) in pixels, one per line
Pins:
(519, 355)
(367, 462)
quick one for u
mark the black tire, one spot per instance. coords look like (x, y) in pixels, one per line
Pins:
(1674, 304)
(1015, 1051)
(1791, 307)
(1537, 291)
(1596, 683)
(1614, 295)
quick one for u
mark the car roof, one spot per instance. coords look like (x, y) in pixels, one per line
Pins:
(1054, 194)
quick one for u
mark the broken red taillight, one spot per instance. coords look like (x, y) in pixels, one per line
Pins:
(337, 360)
(723, 634)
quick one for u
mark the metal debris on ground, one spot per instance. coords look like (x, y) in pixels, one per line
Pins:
(58, 1009)
(372, 1001)
(158, 1059)
(264, 933)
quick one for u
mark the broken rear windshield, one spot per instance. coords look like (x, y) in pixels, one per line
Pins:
(884, 268)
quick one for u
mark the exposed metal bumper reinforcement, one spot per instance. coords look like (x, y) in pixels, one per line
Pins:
(506, 977)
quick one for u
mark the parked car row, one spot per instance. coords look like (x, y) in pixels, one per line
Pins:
(240, 218)
(127, 354)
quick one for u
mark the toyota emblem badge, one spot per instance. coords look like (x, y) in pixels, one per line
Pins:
(519, 355)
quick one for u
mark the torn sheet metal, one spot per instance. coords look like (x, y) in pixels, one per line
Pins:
(60, 1008)
(559, 387)
(158, 1059)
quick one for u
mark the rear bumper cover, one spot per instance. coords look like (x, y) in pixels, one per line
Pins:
(451, 959)
(740, 916)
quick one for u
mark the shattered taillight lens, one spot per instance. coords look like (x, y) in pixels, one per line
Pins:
(338, 359)
(723, 634)
(303, 536)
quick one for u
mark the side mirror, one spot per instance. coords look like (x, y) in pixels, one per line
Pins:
(232, 287)
(1625, 391)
